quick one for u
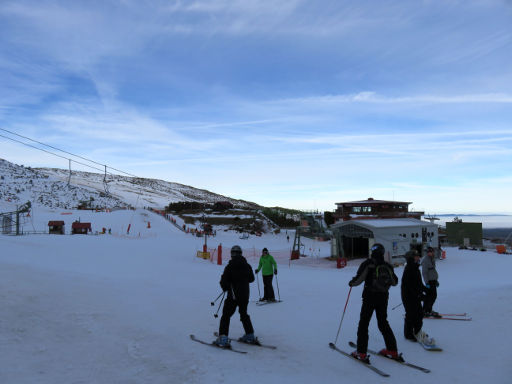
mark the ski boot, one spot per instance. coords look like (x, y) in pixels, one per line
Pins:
(249, 339)
(431, 314)
(262, 299)
(423, 338)
(364, 357)
(391, 354)
(222, 341)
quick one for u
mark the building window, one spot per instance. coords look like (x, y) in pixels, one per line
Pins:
(356, 209)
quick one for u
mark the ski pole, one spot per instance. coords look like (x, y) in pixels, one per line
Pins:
(344, 309)
(214, 301)
(395, 307)
(278, 294)
(258, 281)
(218, 309)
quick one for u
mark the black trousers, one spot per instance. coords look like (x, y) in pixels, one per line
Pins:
(431, 296)
(268, 289)
(378, 302)
(413, 317)
(228, 311)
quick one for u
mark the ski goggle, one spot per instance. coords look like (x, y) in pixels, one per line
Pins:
(375, 247)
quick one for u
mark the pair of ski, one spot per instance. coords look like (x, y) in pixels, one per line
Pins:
(373, 368)
(451, 316)
(259, 303)
(230, 348)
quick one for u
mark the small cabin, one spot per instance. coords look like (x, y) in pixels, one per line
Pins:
(78, 228)
(56, 227)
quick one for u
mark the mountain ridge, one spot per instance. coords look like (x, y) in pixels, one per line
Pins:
(58, 188)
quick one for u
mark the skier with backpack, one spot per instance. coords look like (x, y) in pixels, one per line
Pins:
(413, 293)
(378, 277)
(235, 281)
(268, 267)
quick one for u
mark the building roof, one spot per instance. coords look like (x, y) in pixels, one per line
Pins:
(385, 223)
(372, 201)
(55, 222)
(77, 224)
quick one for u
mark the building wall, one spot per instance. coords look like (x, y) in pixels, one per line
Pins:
(394, 241)
(457, 232)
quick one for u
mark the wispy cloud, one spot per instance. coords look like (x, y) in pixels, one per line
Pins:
(322, 101)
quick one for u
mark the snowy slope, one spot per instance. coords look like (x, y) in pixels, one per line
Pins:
(50, 188)
(119, 308)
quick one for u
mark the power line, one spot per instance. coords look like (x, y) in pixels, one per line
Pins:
(105, 182)
(51, 153)
(61, 150)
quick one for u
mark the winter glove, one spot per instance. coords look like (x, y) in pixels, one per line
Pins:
(350, 284)
(256, 271)
(275, 272)
(437, 283)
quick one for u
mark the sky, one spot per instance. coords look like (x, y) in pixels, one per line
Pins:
(292, 103)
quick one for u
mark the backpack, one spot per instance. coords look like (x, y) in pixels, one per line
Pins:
(382, 278)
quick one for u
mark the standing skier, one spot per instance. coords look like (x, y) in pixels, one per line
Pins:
(268, 267)
(378, 276)
(412, 294)
(430, 277)
(235, 281)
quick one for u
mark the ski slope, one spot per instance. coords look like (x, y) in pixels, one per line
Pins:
(119, 308)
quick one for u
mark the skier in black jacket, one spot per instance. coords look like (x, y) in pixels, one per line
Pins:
(235, 281)
(413, 293)
(374, 299)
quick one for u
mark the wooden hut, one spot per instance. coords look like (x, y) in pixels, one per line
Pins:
(56, 227)
(78, 228)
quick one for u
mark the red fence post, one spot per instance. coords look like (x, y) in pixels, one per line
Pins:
(219, 255)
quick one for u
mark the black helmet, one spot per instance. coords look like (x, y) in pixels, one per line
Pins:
(265, 250)
(236, 251)
(377, 251)
(410, 255)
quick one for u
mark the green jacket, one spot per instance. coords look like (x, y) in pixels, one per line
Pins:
(267, 265)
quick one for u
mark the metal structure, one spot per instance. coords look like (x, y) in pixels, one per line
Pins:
(7, 218)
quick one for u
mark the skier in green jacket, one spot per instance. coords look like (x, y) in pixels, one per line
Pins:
(268, 267)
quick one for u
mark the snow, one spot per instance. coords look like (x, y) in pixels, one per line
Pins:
(119, 309)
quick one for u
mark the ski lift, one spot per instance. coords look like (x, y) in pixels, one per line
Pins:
(105, 182)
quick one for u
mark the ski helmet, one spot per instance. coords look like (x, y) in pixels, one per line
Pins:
(377, 251)
(410, 255)
(265, 250)
(236, 250)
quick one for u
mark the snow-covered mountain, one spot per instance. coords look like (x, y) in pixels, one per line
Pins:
(55, 188)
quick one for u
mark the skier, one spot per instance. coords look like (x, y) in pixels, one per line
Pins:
(413, 290)
(430, 277)
(375, 298)
(268, 267)
(235, 281)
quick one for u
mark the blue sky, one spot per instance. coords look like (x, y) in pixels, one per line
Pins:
(300, 104)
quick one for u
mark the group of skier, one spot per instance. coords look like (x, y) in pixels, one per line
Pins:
(378, 276)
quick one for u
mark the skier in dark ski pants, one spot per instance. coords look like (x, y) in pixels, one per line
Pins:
(374, 299)
(268, 268)
(235, 281)
(430, 277)
(413, 292)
